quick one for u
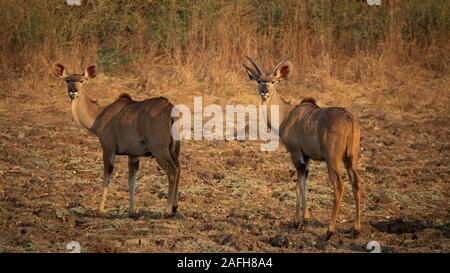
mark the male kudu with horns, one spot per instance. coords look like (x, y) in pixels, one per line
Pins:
(329, 134)
(127, 127)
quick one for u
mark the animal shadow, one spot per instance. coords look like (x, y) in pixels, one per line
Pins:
(400, 226)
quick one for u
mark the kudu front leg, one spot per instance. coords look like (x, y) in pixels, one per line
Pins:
(133, 167)
(108, 167)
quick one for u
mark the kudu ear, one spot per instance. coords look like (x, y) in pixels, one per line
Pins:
(60, 71)
(283, 71)
(90, 72)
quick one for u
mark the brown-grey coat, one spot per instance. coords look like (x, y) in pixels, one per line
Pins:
(309, 132)
(127, 127)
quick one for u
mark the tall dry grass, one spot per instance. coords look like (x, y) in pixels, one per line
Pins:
(167, 42)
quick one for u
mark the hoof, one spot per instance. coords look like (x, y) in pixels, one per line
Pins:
(328, 235)
(134, 213)
(174, 208)
(174, 215)
(355, 233)
(178, 216)
(167, 214)
(303, 225)
(100, 213)
(306, 222)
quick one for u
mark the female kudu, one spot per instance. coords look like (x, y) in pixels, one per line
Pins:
(127, 127)
(309, 132)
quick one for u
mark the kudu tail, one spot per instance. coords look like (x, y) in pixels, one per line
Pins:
(175, 146)
(353, 143)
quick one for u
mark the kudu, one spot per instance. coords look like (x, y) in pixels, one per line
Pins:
(307, 131)
(127, 127)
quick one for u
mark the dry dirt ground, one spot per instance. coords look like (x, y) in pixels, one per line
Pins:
(233, 197)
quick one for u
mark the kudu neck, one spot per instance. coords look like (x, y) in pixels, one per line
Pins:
(283, 107)
(85, 111)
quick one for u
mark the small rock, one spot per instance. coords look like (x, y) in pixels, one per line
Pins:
(218, 176)
(78, 210)
(279, 241)
(388, 141)
(418, 146)
(81, 221)
(181, 196)
(322, 245)
(160, 242)
(234, 241)
(162, 195)
(61, 214)
(23, 230)
(228, 240)
(240, 245)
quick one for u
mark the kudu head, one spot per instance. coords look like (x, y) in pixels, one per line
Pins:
(74, 81)
(267, 81)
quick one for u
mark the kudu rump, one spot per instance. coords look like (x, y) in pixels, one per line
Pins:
(127, 127)
(309, 132)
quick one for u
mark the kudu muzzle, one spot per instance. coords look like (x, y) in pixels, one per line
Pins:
(73, 92)
(264, 91)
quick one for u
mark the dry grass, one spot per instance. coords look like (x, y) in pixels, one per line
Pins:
(193, 41)
(388, 65)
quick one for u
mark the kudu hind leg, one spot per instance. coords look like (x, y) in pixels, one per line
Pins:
(175, 155)
(356, 187)
(108, 167)
(171, 169)
(335, 174)
(175, 192)
(300, 188)
(133, 167)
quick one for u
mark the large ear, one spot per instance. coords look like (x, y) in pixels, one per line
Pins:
(60, 71)
(283, 71)
(252, 75)
(90, 72)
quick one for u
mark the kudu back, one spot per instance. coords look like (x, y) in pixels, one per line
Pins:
(308, 131)
(127, 127)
